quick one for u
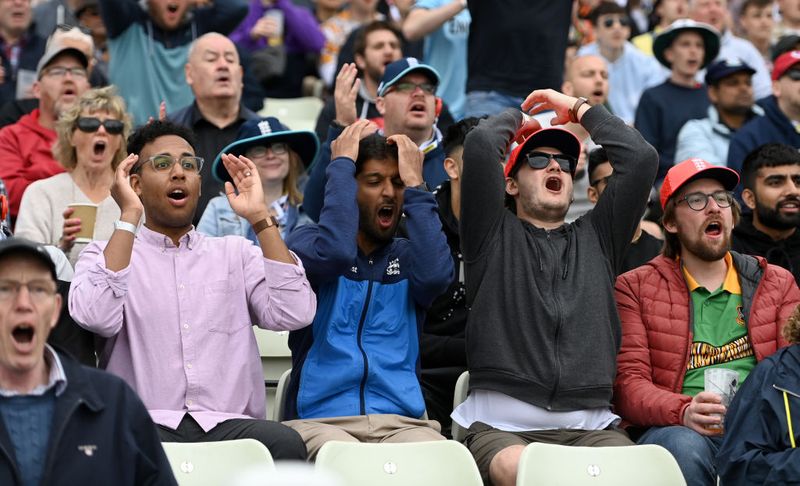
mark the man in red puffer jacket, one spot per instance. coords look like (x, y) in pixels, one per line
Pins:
(696, 307)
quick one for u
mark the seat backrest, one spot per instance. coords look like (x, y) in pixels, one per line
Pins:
(213, 463)
(462, 388)
(295, 113)
(549, 464)
(276, 357)
(443, 463)
(280, 396)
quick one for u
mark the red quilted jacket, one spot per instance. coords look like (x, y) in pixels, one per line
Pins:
(654, 307)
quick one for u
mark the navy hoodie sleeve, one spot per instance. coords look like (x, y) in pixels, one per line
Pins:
(315, 186)
(756, 448)
(624, 200)
(432, 265)
(327, 249)
(482, 182)
(222, 16)
(118, 15)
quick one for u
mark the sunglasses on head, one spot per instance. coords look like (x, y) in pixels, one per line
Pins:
(608, 22)
(540, 160)
(68, 27)
(90, 124)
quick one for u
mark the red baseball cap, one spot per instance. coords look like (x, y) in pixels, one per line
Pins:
(558, 138)
(784, 62)
(696, 168)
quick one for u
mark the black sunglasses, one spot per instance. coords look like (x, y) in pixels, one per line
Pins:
(91, 124)
(540, 160)
(68, 27)
(608, 22)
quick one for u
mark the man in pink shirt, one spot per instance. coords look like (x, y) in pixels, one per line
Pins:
(177, 306)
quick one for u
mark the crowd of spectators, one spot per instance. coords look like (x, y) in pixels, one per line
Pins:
(585, 204)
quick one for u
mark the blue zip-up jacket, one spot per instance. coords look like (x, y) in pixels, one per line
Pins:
(433, 173)
(756, 447)
(361, 354)
(774, 126)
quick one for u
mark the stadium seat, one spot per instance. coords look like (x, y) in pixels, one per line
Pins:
(295, 113)
(556, 465)
(213, 463)
(275, 359)
(443, 463)
(462, 387)
(280, 396)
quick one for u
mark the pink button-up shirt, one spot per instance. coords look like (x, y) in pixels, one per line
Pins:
(180, 319)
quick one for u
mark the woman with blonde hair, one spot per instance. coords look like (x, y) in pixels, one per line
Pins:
(281, 156)
(90, 145)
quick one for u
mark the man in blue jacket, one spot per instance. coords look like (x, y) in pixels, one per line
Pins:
(61, 422)
(355, 373)
(781, 112)
(761, 427)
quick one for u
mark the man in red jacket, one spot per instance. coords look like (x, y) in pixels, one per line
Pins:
(696, 307)
(26, 146)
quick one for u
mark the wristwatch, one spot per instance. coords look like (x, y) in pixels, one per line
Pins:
(264, 224)
(125, 226)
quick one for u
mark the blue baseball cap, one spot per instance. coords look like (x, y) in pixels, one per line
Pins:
(266, 131)
(396, 70)
(724, 68)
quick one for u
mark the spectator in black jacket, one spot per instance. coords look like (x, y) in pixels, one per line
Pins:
(771, 179)
(20, 50)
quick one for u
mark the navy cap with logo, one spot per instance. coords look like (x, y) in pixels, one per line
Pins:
(263, 132)
(723, 68)
(15, 246)
(395, 71)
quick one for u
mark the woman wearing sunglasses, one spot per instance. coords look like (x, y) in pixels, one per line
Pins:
(281, 156)
(90, 145)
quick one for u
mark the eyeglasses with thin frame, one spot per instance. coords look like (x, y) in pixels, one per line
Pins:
(608, 22)
(259, 151)
(60, 72)
(91, 124)
(164, 163)
(699, 200)
(540, 160)
(409, 87)
(38, 290)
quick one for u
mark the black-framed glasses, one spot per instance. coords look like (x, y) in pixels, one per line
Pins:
(409, 87)
(91, 124)
(164, 163)
(604, 180)
(38, 290)
(278, 148)
(699, 200)
(540, 160)
(608, 22)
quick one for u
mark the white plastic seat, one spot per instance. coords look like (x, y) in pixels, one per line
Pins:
(557, 465)
(443, 463)
(213, 463)
(462, 388)
(295, 113)
(276, 358)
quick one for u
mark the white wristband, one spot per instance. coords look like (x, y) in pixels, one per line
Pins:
(124, 226)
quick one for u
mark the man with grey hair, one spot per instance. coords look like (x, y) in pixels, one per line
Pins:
(214, 73)
(21, 48)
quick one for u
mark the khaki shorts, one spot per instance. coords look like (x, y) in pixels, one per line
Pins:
(484, 441)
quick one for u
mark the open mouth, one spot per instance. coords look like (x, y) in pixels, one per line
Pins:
(172, 8)
(791, 205)
(713, 229)
(418, 107)
(69, 92)
(23, 334)
(553, 183)
(223, 78)
(177, 197)
(385, 216)
(99, 147)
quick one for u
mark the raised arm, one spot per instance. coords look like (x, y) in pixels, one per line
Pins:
(118, 15)
(422, 20)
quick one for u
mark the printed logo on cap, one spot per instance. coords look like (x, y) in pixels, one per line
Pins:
(795, 54)
(699, 164)
(264, 127)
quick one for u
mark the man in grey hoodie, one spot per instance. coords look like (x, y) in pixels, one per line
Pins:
(543, 330)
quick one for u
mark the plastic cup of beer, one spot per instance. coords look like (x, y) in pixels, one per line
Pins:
(723, 382)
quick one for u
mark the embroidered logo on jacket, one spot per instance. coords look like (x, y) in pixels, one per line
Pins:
(394, 267)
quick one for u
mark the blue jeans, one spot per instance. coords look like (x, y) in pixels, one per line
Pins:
(695, 453)
(481, 103)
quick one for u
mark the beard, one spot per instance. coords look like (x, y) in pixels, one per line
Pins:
(703, 250)
(773, 218)
(370, 229)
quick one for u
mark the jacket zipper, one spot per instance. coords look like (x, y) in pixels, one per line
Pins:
(558, 331)
(363, 385)
(56, 438)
